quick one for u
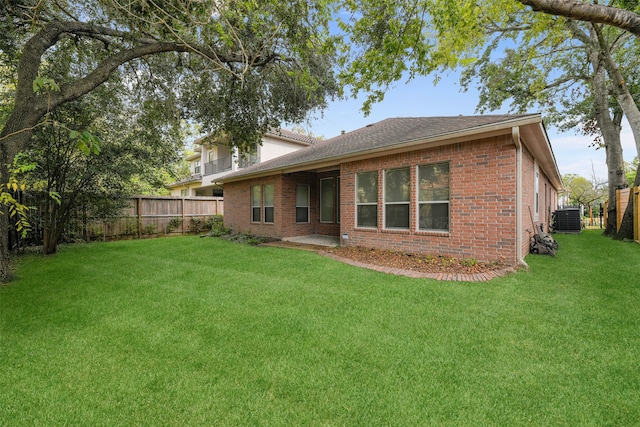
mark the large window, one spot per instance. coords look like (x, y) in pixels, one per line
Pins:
(327, 200)
(255, 203)
(268, 203)
(367, 199)
(397, 185)
(302, 203)
(433, 197)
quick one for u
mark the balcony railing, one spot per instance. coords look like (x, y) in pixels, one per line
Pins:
(217, 166)
(245, 162)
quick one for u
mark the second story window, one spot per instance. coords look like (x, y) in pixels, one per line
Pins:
(196, 167)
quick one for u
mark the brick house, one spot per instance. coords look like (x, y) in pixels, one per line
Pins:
(461, 186)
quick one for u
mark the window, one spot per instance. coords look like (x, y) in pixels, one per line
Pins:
(213, 154)
(184, 192)
(338, 200)
(433, 197)
(397, 184)
(367, 199)
(327, 202)
(255, 203)
(268, 203)
(196, 167)
(302, 203)
(249, 158)
(537, 191)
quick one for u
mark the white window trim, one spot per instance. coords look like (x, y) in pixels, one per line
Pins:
(333, 202)
(253, 221)
(307, 206)
(431, 202)
(355, 195)
(385, 203)
(536, 191)
(265, 206)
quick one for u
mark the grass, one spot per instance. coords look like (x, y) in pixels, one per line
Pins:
(189, 331)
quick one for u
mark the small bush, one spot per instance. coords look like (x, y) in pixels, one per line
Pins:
(196, 224)
(174, 223)
(247, 238)
(149, 229)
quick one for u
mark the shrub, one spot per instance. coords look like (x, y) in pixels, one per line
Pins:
(174, 223)
(196, 224)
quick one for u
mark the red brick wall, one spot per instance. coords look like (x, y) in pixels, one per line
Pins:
(237, 197)
(482, 202)
(482, 223)
(238, 215)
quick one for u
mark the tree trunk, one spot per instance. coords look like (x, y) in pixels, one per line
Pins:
(626, 226)
(631, 111)
(610, 129)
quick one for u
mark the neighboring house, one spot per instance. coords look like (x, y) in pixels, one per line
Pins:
(457, 186)
(213, 159)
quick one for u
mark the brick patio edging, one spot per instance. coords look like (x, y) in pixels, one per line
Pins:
(453, 277)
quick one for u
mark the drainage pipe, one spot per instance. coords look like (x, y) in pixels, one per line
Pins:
(515, 135)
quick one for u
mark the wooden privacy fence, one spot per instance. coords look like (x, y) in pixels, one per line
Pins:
(166, 215)
(153, 215)
(142, 216)
(622, 200)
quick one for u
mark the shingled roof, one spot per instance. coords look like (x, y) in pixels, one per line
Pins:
(384, 135)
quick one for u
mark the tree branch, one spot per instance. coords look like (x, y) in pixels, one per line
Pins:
(595, 13)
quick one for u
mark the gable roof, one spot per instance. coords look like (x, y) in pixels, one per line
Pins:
(389, 134)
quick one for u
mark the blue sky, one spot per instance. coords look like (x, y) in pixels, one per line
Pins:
(420, 98)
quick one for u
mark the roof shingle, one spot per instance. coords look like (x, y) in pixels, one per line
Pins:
(387, 133)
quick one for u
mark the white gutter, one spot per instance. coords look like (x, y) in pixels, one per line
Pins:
(515, 135)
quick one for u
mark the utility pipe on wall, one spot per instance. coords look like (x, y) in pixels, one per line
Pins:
(515, 135)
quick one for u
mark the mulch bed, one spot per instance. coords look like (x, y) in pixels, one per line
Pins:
(422, 263)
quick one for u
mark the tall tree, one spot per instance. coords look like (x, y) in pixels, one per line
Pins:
(559, 68)
(241, 67)
(397, 40)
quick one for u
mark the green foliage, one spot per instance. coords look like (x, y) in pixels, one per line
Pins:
(149, 228)
(630, 171)
(173, 224)
(242, 238)
(582, 191)
(216, 227)
(17, 211)
(41, 83)
(196, 224)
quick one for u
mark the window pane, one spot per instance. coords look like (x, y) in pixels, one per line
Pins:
(367, 216)
(326, 200)
(396, 216)
(255, 215)
(302, 214)
(302, 195)
(367, 191)
(255, 195)
(433, 182)
(268, 195)
(434, 216)
(397, 185)
(268, 214)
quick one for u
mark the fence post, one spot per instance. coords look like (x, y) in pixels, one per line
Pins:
(139, 217)
(182, 212)
(636, 214)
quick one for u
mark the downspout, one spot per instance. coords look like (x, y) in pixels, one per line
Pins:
(515, 135)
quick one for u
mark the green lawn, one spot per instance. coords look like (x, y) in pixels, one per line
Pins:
(189, 331)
